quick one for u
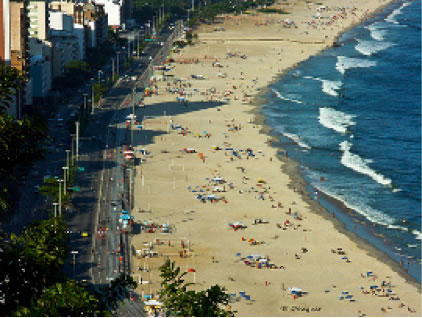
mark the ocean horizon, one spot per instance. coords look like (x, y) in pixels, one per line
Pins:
(351, 118)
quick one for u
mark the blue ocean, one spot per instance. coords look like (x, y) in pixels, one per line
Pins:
(351, 118)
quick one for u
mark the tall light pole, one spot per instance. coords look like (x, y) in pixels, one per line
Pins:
(67, 156)
(133, 115)
(85, 97)
(77, 140)
(73, 156)
(64, 178)
(55, 215)
(92, 97)
(118, 52)
(128, 48)
(60, 196)
(74, 253)
(55, 204)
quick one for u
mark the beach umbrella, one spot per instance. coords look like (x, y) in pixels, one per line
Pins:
(373, 286)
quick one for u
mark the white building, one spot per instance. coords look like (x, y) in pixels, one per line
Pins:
(114, 10)
(60, 21)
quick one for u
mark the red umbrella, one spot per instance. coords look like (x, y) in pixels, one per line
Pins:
(191, 270)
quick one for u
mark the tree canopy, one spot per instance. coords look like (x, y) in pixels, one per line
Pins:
(10, 82)
(185, 302)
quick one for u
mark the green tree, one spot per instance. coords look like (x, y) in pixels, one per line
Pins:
(66, 299)
(181, 301)
(118, 290)
(29, 262)
(10, 81)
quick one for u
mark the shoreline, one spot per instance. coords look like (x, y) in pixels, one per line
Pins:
(291, 169)
(164, 197)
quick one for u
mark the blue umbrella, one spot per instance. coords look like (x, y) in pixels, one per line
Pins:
(247, 297)
(373, 286)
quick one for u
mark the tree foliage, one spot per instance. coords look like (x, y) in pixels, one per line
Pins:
(181, 301)
(67, 299)
(10, 81)
(29, 262)
(19, 143)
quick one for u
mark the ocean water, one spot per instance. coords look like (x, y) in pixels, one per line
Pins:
(351, 117)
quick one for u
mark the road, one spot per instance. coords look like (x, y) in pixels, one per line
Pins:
(100, 179)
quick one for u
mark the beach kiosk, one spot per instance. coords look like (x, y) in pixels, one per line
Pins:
(153, 307)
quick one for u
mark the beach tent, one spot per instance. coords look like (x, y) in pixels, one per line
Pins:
(152, 302)
(295, 291)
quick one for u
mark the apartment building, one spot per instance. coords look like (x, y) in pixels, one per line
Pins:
(118, 11)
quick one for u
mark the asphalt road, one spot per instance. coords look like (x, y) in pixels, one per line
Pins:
(100, 200)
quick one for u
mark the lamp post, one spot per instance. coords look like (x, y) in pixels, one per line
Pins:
(55, 215)
(77, 141)
(74, 253)
(60, 196)
(64, 178)
(118, 52)
(67, 157)
(92, 97)
(73, 141)
(85, 97)
(55, 204)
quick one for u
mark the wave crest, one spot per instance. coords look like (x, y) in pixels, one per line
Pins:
(336, 120)
(328, 87)
(297, 140)
(371, 47)
(277, 93)
(344, 63)
(358, 164)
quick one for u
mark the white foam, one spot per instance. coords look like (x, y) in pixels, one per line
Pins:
(371, 47)
(418, 234)
(297, 140)
(396, 12)
(286, 98)
(358, 164)
(371, 214)
(328, 87)
(376, 32)
(344, 63)
(336, 120)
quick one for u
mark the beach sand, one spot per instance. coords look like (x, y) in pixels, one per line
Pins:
(307, 249)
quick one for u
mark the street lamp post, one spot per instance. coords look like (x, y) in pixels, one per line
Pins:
(60, 196)
(55, 215)
(67, 156)
(77, 141)
(64, 178)
(92, 96)
(73, 141)
(118, 52)
(85, 97)
(55, 204)
(74, 253)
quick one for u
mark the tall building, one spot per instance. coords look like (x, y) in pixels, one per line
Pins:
(40, 48)
(118, 11)
(14, 49)
(38, 19)
(19, 37)
(5, 31)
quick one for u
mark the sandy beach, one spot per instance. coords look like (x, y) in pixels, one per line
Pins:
(210, 174)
